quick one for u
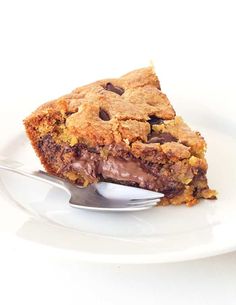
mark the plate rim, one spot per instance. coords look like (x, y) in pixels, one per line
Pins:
(128, 258)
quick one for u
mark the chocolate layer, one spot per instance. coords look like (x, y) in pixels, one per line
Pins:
(116, 169)
(118, 166)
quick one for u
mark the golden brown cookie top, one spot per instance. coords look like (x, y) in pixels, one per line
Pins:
(123, 110)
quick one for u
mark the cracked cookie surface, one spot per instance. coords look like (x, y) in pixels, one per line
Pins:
(123, 130)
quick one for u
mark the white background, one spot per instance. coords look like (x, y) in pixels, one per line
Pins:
(46, 49)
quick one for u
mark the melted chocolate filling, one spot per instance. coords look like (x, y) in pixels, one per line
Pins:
(124, 169)
(114, 168)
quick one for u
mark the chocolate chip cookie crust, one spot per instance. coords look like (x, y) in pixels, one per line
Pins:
(123, 130)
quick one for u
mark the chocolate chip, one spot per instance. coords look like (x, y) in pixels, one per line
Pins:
(115, 89)
(104, 115)
(172, 192)
(158, 137)
(46, 145)
(58, 122)
(154, 120)
(92, 150)
(195, 192)
(78, 153)
(68, 113)
(78, 148)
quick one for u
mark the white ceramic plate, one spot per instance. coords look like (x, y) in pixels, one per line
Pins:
(162, 234)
